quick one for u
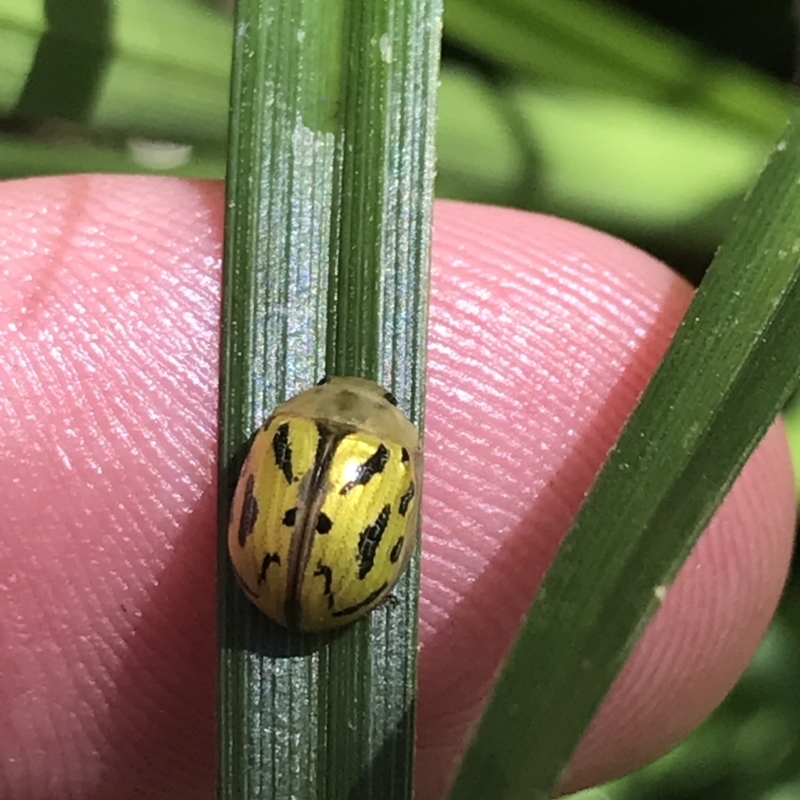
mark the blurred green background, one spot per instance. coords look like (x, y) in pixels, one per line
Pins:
(645, 118)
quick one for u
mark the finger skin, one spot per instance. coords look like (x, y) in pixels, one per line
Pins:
(542, 336)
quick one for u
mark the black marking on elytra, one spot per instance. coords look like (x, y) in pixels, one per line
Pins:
(326, 572)
(249, 511)
(396, 550)
(324, 523)
(322, 458)
(324, 434)
(368, 542)
(374, 465)
(390, 398)
(368, 600)
(290, 517)
(404, 455)
(283, 451)
(269, 558)
(405, 500)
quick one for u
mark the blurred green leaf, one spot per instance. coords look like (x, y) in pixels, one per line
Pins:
(599, 117)
(601, 47)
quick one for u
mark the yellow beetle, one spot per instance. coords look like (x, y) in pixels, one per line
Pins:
(324, 516)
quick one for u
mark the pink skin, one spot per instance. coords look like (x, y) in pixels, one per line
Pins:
(543, 333)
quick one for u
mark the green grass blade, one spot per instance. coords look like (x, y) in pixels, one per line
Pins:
(729, 371)
(327, 239)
